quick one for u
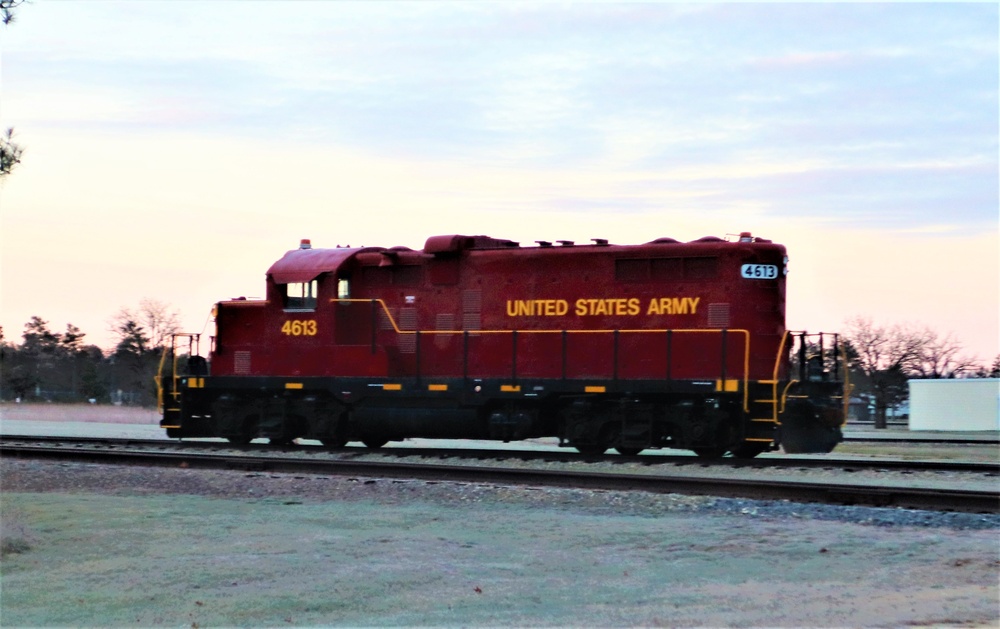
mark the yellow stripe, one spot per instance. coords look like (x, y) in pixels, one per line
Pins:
(762, 440)
(196, 383)
(392, 387)
(437, 387)
(730, 386)
(169, 426)
(293, 385)
(594, 389)
(510, 388)
(767, 420)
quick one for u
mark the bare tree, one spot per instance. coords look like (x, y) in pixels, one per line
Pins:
(882, 357)
(940, 358)
(155, 318)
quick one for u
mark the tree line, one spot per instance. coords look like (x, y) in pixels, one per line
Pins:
(882, 358)
(63, 367)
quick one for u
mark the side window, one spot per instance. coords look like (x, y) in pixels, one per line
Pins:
(301, 296)
(344, 288)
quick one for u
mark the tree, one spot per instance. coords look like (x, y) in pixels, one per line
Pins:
(881, 359)
(38, 338)
(939, 358)
(7, 10)
(134, 363)
(10, 153)
(884, 358)
(157, 320)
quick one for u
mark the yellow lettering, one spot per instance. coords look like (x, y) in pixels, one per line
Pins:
(668, 306)
(307, 327)
(617, 306)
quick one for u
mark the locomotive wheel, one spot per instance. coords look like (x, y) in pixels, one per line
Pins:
(374, 444)
(710, 453)
(334, 443)
(240, 440)
(592, 450)
(628, 451)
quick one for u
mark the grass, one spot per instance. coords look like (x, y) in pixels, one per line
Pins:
(151, 560)
(15, 538)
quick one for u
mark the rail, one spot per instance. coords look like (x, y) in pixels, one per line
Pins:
(866, 493)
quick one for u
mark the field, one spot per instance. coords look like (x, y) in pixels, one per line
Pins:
(89, 545)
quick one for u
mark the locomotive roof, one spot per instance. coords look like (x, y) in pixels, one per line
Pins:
(306, 264)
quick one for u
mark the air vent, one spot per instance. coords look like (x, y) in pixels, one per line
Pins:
(241, 363)
(718, 315)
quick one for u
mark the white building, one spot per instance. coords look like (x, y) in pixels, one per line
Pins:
(968, 404)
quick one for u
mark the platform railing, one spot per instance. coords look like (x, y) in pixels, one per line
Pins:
(815, 361)
(174, 375)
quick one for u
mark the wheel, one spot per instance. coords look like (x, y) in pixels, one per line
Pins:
(283, 441)
(710, 453)
(374, 444)
(334, 443)
(628, 451)
(240, 440)
(591, 450)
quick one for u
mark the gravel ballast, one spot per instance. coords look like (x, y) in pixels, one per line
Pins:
(90, 545)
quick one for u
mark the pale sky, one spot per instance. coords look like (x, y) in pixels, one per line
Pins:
(174, 150)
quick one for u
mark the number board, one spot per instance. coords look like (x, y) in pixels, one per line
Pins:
(759, 271)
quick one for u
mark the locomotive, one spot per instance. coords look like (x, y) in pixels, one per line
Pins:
(665, 344)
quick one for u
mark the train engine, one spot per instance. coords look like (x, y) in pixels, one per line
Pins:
(665, 344)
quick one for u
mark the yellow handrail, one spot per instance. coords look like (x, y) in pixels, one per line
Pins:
(745, 333)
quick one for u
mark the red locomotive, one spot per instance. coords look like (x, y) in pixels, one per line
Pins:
(664, 344)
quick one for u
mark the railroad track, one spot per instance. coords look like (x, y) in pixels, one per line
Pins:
(958, 441)
(650, 459)
(866, 493)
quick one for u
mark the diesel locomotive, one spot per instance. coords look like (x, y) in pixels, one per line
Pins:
(665, 344)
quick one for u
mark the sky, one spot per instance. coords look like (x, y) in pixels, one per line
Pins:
(175, 150)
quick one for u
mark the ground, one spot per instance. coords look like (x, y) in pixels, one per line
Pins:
(114, 546)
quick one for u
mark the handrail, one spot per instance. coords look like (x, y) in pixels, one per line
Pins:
(174, 376)
(518, 331)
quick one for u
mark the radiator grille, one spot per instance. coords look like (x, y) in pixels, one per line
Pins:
(718, 315)
(241, 363)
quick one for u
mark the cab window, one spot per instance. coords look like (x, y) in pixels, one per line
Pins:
(301, 296)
